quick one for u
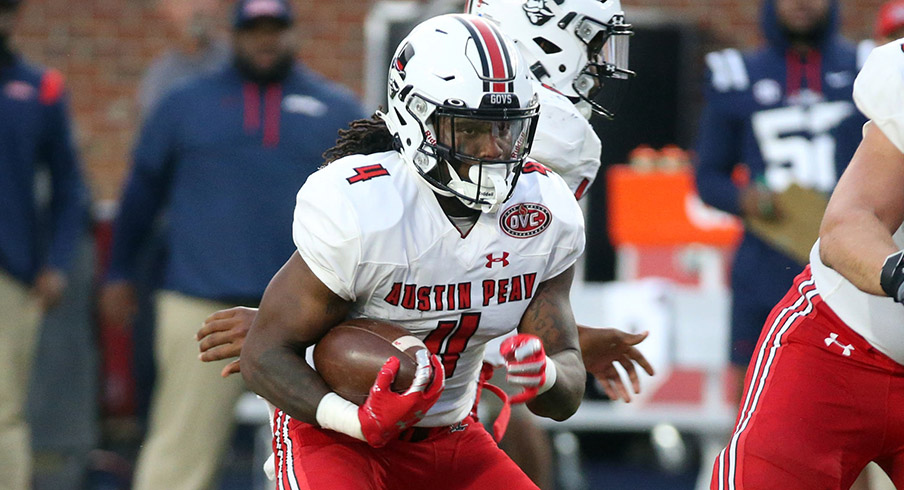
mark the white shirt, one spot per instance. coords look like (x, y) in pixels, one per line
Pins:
(385, 244)
(879, 94)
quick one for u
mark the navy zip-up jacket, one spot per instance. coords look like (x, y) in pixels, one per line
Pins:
(789, 118)
(34, 136)
(225, 157)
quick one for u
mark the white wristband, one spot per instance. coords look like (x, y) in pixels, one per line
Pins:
(550, 376)
(338, 414)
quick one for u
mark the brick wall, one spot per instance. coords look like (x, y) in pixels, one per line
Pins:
(103, 46)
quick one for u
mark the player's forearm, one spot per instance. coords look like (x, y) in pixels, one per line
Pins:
(856, 245)
(564, 397)
(281, 376)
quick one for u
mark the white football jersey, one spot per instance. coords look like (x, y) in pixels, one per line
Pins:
(565, 141)
(879, 94)
(373, 232)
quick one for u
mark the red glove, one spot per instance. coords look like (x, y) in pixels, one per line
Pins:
(525, 361)
(385, 414)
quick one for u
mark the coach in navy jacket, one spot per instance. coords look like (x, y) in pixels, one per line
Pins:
(38, 230)
(220, 161)
(785, 111)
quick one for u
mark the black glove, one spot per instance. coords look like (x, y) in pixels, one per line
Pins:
(892, 278)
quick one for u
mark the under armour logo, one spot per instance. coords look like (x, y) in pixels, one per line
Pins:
(491, 260)
(833, 339)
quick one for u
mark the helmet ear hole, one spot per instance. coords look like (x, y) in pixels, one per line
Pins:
(547, 46)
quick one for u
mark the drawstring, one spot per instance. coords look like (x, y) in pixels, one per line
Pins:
(272, 108)
(792, 81)
(814, 71)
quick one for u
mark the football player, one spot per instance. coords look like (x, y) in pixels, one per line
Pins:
(593, 71)
(824, 389)
(577, 52)
(446, 232)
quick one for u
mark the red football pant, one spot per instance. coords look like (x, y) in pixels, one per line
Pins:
(467, 458)
(819, 404)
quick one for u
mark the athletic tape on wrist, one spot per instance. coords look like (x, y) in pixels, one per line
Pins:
(550, 376)
(338, 414)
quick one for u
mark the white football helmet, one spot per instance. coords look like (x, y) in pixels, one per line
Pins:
(462, 108)
(578, 47)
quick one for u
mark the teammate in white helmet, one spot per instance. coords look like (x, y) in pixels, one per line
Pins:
(578, 56)
(577, 51)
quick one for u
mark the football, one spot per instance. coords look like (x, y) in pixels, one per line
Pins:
(351, 354)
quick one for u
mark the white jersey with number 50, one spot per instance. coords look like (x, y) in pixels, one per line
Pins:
(373, 232)
(879, 94)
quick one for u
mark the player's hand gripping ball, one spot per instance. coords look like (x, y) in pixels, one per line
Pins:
(384, 370)
(386, 414)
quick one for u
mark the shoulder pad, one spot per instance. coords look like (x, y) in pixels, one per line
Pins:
(879, 90)
(864, 48)
(879, 87)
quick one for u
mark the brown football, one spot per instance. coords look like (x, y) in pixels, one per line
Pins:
(351, 354)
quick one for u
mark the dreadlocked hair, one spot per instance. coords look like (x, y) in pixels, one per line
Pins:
(363, 136)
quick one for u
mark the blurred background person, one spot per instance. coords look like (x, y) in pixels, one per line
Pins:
(785, 112)
(199, 48)
(221, 153)
(38, 233)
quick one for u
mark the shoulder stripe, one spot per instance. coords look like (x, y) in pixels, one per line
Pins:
(716, 63)
(737, 69)
(728, 70)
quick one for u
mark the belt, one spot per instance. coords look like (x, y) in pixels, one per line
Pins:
(418, 434)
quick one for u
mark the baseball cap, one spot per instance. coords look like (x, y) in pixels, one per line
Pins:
(890, 18)
(248, 11)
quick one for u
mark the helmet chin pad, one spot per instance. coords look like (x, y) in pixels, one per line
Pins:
(486, 188)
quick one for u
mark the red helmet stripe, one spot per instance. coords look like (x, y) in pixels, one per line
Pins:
(499, 69)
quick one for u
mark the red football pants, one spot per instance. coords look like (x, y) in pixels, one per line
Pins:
(308, 457)
(819, 404)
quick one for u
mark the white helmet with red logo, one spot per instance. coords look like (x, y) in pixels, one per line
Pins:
(462, 108)
(578, 47)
